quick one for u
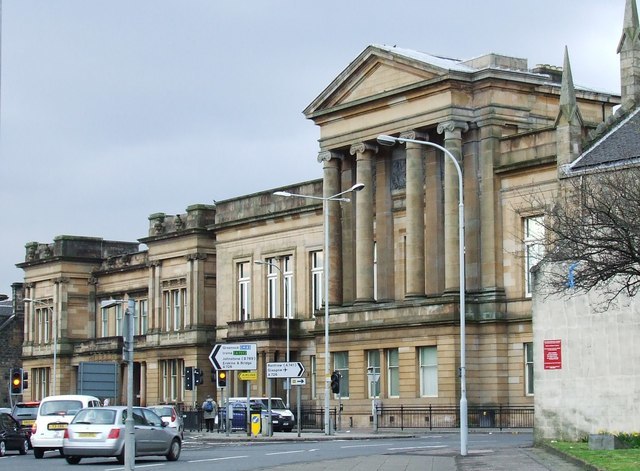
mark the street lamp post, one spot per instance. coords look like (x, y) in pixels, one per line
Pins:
(325, 210)
(261, 262)
(54, 327)
(129, 430)
(464, 428)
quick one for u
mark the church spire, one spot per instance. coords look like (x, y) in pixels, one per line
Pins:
(629, 50)
(569, 121)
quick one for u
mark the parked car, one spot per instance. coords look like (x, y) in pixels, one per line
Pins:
(54, 415)
(101, 433)
(12, 436)
(25, 413)
(170, 414)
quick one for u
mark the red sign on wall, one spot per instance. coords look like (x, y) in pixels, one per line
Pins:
(553, 354)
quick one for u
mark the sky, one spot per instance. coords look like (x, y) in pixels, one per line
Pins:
(112, 110)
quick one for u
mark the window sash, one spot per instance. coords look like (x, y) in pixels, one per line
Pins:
(373, 361)
(533, 248)
(428, 372)
(341, 365)
(393, 372)
(528, 365)
(244, 285)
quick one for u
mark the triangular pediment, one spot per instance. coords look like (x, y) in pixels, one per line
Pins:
(378, 70)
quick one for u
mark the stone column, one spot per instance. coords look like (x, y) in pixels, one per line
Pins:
(364, 221)
(453, 143)
(331, 186)
(415, 215)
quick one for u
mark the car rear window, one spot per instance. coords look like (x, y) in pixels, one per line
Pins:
(161, 411)
(95, 416)
(62, 407)
(25, 410)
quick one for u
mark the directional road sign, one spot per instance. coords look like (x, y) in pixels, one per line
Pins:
(248, 375)
(298, 381)
(292, 369)
(234, 356)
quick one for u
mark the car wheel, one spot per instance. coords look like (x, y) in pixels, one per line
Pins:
(3, 449)
(120, 457)
(38, 453)
(73, 459)
(174, 450)
(25, 447)
(61, 451)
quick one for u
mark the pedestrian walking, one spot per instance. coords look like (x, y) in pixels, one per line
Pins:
(210, 409)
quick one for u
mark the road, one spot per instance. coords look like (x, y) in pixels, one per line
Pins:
(240, 456)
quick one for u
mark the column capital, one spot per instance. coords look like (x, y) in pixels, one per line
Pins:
(327, 155)
(452, 125)
(361, 147)
(415, 135)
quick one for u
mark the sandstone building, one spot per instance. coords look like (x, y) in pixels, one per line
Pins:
(393, 251)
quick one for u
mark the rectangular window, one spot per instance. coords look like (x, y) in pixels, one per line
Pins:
(428, 371)
(341, 365)
(287, 296)
(174, 308)
(41, 320)
(244, 291)
(272, 288)
(393, 372)
(119, 324)
(528, 368)
(143, 317)
(172, 380)
(373, 369)
(317, 269)
(167, 310)
(40, 383)
(314, 377)
(104, 331)
(375, 270)
(533, 247)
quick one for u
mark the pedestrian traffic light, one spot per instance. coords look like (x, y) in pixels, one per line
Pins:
(16, 381)
(25, 379)
(222, 379)
(214, 375)
(188, 378)
(335, 382)
(197, 377)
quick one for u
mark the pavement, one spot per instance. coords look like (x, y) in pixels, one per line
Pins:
(526, 458)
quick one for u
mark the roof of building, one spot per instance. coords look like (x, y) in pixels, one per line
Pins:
(621, 144)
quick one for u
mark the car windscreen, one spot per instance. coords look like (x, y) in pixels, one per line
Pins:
(275, 404)
(61, 407)
(95, 416)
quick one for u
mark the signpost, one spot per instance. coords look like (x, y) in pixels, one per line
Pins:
(293, 369)
(234, 356)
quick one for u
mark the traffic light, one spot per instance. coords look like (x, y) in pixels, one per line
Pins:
(197, 377)
(214, 375)
(188, 378)
(222, 379)
(25, 380)
(16, 381)
(335, 382)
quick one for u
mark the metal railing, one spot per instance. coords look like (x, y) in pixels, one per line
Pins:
(431, 417)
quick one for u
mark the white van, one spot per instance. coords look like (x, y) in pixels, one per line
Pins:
(54, 415)
(283, 418)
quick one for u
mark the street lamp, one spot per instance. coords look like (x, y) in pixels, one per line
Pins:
(464, 429)
(129, 431)
(325, 210)
(262, 262)
(54, 327)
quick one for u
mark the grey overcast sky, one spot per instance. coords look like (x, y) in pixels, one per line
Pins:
(112, 110)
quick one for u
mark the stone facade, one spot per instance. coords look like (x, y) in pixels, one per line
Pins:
(11, 339)
(393, 248)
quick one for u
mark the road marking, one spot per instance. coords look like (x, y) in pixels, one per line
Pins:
(415, 447)
(218, 459)
(364, 446)
(284, 452)
(138, 466)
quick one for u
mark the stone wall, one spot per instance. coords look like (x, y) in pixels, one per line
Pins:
(597, 387)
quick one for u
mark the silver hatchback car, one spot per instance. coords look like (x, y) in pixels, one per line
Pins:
(171, 415)
(97, 432)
